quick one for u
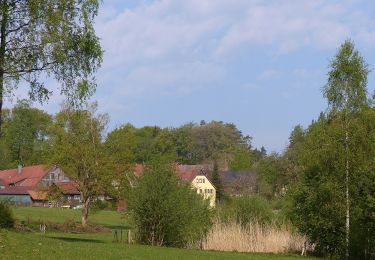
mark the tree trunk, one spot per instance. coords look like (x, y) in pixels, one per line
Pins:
(85, 211)
(347, 224)
(4, 14)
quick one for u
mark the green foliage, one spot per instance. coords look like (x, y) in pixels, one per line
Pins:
(49, 38)
(246, 209)
(79, 150)
(336, 162)
(99, 205)
(6, 216)
(166, 211)
(25, 136)
(269, 175)
(188, 144)
(216, 181)
(243, 160)
(347, 80)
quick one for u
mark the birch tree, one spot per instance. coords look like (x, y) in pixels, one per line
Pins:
(48, 38)
(346, 92)
(79, 150)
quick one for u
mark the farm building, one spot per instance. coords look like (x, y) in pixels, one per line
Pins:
(33, 185)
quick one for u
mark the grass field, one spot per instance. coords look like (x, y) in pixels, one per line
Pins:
(16, 245)
(52, 245)
(110, 219)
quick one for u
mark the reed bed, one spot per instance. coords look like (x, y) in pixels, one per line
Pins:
(253, 237)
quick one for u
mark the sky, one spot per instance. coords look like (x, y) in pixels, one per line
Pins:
(258, 64)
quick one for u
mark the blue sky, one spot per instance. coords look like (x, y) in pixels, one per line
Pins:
(258, 64)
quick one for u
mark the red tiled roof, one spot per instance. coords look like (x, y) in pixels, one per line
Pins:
(28, 177)
(68, 187)
(184, 172)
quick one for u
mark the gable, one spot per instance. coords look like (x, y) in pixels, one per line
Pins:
(54, 175)
(201, 181)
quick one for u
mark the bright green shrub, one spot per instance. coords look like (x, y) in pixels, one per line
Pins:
(246, 209)
(167, 211)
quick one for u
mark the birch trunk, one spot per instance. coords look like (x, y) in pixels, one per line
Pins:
(85, 211)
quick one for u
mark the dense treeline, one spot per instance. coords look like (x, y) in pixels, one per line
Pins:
(28, 138)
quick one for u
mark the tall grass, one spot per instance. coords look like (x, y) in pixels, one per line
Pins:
(253, 237)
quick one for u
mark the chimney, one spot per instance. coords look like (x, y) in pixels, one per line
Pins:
(19, 169)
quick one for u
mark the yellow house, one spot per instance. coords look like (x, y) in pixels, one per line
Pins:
(205, 188)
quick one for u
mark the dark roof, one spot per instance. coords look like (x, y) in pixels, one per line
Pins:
(68, 187)
(16, 190)
(232, 176)
(239, 182)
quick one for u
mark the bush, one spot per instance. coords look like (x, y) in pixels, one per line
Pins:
(99, 205)
(6, 216)
(247, 209)
(166, 211)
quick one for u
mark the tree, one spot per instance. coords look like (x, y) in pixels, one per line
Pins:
(54, 38)
(216, 181)
(336, 160)
(25, 135)
(269, 176)
(26, 132)
(168, 212)
(346, 92)
(79, 151)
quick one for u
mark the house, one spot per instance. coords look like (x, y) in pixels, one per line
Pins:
(205, 188)
(195, 174)
(32, 185)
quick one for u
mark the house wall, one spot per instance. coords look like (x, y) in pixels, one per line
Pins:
(205, 188)
(21, 199)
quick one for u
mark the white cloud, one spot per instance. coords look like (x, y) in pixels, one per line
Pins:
(199, 29)
(148, 42)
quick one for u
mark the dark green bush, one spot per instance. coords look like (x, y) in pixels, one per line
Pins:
(166, 211)
(6, 216)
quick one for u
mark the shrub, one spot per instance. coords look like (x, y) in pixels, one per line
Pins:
(99, 205)
(167, 211)
(247, 209)
(6, 216)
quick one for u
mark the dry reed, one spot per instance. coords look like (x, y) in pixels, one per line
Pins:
(253, 237)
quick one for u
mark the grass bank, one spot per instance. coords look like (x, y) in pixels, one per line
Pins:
(15, 245)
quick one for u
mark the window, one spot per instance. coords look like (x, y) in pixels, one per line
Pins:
(203, 180)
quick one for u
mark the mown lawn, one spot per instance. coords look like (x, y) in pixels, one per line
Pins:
(15, 245)
(111, 219)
